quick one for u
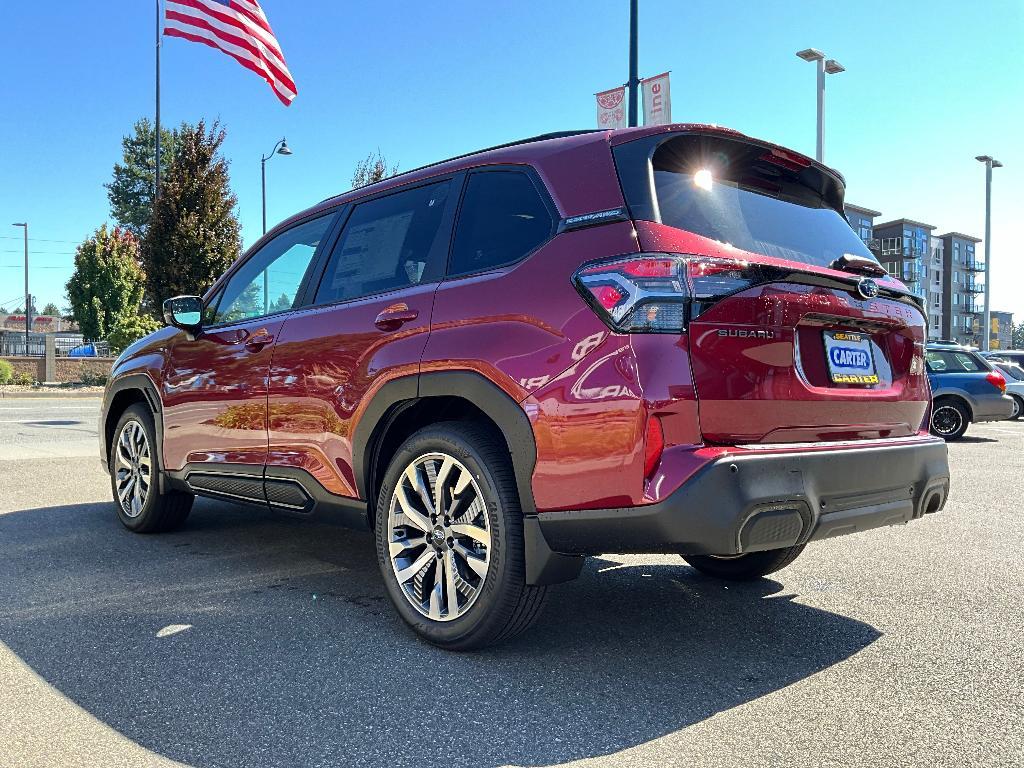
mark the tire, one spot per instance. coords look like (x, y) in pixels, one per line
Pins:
(134, 461)
(1018, 407)
(747, 567)
(423, 554)
(949, 419)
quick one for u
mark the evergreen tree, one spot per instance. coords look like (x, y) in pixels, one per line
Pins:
(131, 190)
(194, 234)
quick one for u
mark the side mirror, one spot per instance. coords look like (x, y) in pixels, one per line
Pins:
(185, 312)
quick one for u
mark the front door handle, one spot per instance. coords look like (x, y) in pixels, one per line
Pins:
(395, 316)
(258, 341)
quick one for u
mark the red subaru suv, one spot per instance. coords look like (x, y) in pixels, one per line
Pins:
(651, 340)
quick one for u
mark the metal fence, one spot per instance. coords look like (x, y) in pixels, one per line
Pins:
(12, 344)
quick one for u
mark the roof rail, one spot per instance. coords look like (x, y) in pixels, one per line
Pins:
(530, 140)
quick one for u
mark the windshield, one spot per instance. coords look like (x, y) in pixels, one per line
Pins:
(763, 200)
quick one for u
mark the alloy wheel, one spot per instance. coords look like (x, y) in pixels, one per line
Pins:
(946, 420)
(133, 468)
(439, 538)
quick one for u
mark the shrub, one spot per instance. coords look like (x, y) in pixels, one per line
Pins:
(24, 379)
(93, 379)
(129, 329)
(6, 372)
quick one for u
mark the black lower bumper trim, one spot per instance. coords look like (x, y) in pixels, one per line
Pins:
(757, 501)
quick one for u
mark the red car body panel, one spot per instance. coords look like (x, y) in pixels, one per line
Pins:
(215, 395)
(327, 364)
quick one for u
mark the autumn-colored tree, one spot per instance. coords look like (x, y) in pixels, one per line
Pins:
(194, 234)
(107, 283)
(371, 169)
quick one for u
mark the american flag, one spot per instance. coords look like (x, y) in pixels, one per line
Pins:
(240, 29)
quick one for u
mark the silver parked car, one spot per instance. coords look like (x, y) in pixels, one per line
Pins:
(1014, 375)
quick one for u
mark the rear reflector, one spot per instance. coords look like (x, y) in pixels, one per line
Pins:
(996, 380)
(654, 444)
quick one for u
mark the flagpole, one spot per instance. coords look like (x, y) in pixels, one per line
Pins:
(156, 186)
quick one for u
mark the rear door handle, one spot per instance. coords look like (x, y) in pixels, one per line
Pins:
(258, 341)
(395, 316)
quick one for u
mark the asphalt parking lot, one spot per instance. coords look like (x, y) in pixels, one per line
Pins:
(253, 640)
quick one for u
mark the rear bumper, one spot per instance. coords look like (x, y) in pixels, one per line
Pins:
(993, 408)
(758, 500)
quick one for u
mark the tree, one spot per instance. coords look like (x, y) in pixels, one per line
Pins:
(131, 190)
(107, 283)
(128, 329)
(371, 169)
(1017, 335)
(194, 235)
(51, 309)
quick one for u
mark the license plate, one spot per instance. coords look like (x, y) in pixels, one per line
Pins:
(849, 358)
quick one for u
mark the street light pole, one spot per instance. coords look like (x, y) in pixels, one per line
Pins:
(28, 299)
(824, 67)
(990, 163)
(634, 77)
(281, 148)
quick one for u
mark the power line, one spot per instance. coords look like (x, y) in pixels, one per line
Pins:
(38, 239)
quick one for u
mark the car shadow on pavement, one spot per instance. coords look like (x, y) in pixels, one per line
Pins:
(251, 639)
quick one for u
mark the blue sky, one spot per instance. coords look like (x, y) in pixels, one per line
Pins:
(928, 86)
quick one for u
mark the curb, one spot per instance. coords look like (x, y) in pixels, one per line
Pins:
(57, 395)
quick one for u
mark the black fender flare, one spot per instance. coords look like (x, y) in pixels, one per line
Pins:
(139, 382)
(543, 566)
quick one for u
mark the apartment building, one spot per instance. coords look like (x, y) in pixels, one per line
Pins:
(963, 293)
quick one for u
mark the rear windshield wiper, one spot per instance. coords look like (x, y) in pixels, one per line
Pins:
(859, 264)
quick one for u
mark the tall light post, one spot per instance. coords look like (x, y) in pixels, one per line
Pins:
(825, 67)
(634, 78)
(281, 148)
(990, 163)
(28, 299)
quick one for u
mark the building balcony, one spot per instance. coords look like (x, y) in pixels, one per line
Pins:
(975, 265)
(900, 247)
(973, 286)
(972, 306)
(910, 272)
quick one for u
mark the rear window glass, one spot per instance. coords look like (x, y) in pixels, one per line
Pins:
(948, 361)
(761, 200)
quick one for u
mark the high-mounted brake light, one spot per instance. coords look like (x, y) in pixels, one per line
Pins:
(997, 380)
(660, 293)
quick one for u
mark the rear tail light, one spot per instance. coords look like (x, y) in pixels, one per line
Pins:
(996, 380)
(659, 292)
(654, 444)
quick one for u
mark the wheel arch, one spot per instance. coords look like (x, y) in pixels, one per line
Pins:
(120, 395)
(403, 405)
(958, 397)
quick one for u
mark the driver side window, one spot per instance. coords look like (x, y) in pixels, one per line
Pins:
(268, 282)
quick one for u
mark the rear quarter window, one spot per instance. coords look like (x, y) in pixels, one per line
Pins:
(503, 218)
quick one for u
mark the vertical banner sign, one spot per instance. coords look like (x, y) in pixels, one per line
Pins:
(657, 100)
(611, 108)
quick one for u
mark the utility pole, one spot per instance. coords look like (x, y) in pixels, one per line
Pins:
(28, 298)
(990, 163)
(634, 79)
